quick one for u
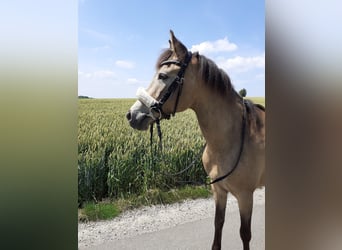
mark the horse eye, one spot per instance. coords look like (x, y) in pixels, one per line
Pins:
(162, 76)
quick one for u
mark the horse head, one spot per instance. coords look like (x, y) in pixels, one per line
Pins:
(171, 89)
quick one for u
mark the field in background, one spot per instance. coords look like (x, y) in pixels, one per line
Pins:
(115, 161)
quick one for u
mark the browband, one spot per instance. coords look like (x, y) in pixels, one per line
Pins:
(178, 63)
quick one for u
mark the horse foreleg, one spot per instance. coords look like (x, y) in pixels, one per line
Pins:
(245, 201)
(220, 211)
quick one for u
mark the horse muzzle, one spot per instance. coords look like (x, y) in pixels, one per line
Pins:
(138, 120)
(139, 116)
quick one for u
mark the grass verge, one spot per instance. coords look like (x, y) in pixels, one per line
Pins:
(108, 209)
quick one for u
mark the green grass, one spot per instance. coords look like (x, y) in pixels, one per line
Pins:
(117, 170)
(98, 211)
(116, 162)
(156, 196)
(260, 100)
(109, 209)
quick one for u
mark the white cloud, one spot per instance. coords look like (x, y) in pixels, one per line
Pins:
(242, 64)
(221, 45)
(125, 64)
(97, 74)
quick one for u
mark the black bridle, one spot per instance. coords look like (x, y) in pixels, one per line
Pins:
(177, 83)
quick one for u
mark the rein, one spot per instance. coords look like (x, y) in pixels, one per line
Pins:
(243, 129)
(156, 106)
(243, 132)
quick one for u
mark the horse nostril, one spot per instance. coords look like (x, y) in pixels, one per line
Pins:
(128, 115)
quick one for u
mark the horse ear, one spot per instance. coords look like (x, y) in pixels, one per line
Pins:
(177, 47)
(172, 40)
(195, 58)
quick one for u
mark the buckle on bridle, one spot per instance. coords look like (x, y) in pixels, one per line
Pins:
(180, 80)
(155, 109)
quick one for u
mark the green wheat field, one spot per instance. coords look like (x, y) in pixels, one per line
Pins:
(116, 161)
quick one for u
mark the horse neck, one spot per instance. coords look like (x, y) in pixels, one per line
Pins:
(220, 118)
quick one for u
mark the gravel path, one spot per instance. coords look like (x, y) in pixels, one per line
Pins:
(154, 218)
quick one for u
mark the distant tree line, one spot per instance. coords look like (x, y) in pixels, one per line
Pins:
(83, 97)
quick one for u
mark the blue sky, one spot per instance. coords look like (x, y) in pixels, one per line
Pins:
(120, 41)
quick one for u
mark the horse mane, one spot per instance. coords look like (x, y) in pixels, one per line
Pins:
(218, 80)
(256, 123)
(214, 77)
(260, 106)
